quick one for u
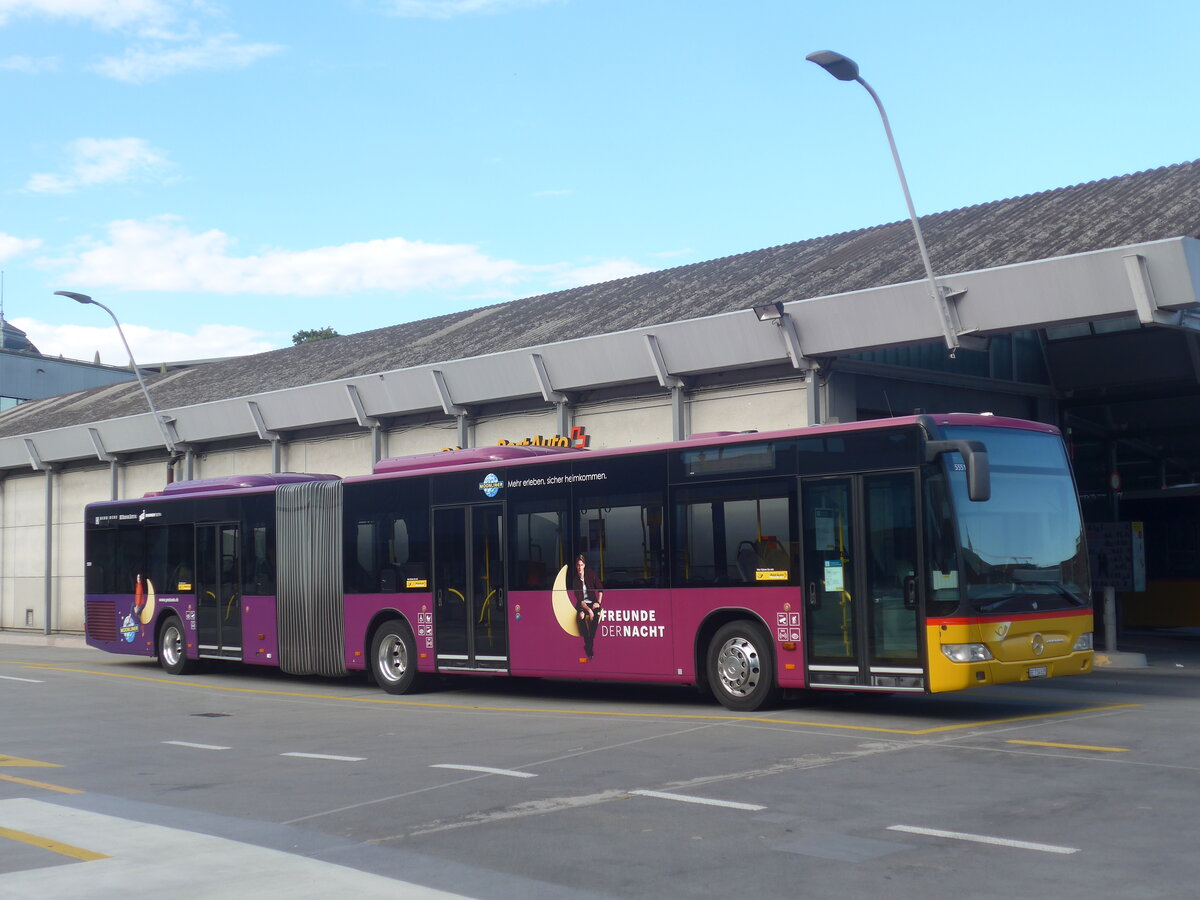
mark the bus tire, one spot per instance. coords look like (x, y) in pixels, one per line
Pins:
(394, 657)
(741, 670)
(172, 648)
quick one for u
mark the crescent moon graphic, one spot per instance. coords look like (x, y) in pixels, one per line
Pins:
(564, 609)
(147, 612)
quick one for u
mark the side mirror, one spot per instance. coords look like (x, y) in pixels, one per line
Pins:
(975, 455)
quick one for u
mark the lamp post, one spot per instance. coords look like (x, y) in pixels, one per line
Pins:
(84, 298)
(845, 69)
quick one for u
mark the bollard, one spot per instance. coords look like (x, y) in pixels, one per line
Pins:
(1110, 619)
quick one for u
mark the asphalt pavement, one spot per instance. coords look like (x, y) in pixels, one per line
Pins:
(1163, 649)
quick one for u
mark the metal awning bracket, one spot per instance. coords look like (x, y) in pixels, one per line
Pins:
(957, 337)
(1137, 269)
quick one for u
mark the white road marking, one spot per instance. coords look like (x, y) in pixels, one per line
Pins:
(486, 769)
(326, 756)
(197, 746)
(983, 839)
(27, 680)
(684, 798)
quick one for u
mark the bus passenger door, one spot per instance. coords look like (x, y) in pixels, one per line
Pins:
(470, 615)
(861, 587)
(218, 591)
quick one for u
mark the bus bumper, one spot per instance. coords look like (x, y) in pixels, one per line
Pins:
(1006, 664)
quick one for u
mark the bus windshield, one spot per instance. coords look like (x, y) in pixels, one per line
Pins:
(1022, 550)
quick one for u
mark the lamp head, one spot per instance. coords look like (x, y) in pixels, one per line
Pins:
(769, 312)
(78, 298)
(843, 68)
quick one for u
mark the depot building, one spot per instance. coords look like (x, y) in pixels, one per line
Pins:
(1078, 307)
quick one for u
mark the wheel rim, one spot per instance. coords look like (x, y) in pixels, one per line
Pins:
(172, 648)
(739, 667)
(392, 661)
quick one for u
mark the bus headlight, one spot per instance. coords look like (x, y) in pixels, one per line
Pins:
(1084, 642)
(962, 653)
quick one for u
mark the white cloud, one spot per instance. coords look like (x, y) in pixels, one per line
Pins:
(170, 41)
(106, 14)
(447, 9)
(30, 65)
(149, 345)
(594, 273)
(222, 51)
(162, 254)
(95, 161)
(14, 246)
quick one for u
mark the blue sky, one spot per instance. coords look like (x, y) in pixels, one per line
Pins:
(223, 174)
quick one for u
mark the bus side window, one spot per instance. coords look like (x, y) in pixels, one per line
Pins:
(129, 560)
(942, 547)
(537, 542)
(625, 539)
(738, 533)
(101, 554)
(360, 571)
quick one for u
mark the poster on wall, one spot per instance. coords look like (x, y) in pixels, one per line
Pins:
(1117, 555)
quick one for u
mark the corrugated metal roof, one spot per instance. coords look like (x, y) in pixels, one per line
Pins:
(1146, 206)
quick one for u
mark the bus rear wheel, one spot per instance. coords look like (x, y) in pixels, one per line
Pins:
(172, 648)
(394, 658)
(741, 670)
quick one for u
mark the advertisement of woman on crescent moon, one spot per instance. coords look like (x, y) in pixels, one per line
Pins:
(577, 598)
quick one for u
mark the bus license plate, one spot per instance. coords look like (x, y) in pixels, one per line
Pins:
(1037, 672)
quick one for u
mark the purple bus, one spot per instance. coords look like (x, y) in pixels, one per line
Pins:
(919, 554)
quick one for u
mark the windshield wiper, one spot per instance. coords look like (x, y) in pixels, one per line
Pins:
(1029, 597)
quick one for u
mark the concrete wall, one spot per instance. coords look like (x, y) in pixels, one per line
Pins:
(748, 407)
(344, 455)
(22, 550)
(241, 461)
(515, 427)
(625, 423)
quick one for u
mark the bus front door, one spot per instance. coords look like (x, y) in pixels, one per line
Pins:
(218, 591)
(468, 588)
(861, 583)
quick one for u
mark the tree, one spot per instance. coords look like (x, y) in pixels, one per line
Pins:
(306, 335)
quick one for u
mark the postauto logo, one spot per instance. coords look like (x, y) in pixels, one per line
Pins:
(491, 485)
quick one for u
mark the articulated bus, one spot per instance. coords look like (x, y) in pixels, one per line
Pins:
(921, 554)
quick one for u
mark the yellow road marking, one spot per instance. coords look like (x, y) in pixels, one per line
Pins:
(40, 784)
(53, 846)
(1072, 746)
(16, 761)
(387, 700)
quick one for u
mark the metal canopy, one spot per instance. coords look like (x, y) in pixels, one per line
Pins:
(1157, 282)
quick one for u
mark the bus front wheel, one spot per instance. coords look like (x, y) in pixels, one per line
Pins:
(172, 648)
(394, 658)
(740, 667)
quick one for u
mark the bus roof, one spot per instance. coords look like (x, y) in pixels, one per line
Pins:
(236, 483)
(483, 457)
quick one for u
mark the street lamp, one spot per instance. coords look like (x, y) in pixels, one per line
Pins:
(84, 298)
(845, 69)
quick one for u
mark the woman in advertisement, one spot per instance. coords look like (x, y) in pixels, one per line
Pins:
(587, 593)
